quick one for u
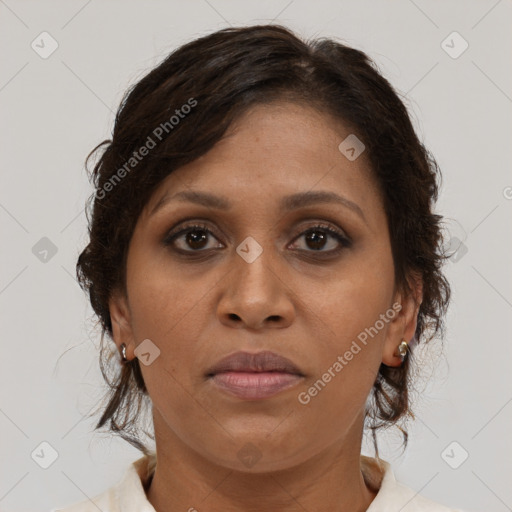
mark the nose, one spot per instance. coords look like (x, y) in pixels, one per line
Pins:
(255, 295)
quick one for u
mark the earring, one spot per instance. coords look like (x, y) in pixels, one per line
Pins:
(123, 353)
(402, 349)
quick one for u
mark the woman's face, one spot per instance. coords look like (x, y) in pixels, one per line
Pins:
(255, 277)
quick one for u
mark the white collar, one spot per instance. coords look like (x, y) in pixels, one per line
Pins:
(128, 494)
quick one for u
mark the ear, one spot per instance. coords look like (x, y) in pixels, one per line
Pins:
(120, 317)
(403, 325)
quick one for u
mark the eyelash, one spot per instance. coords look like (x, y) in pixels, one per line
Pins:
(344, 241)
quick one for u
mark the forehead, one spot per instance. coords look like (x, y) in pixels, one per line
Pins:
(272, 149)
(296, 134)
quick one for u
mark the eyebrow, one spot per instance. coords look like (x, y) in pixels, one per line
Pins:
(288, 203)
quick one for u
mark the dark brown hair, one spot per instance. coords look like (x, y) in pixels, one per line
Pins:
(218, 77)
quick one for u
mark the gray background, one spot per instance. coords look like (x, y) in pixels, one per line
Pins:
(55, 110)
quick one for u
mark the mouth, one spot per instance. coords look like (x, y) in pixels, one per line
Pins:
(254, 376)
(255, 385)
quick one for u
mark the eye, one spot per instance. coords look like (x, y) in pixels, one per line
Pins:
(316, 239)
(193, 237)
(196, 238)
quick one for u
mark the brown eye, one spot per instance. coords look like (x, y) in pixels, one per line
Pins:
(196, 239)
(317, 239)
(321, 239)
(192, 238)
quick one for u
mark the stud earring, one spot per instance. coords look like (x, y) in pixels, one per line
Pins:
(124, 359)
(402, 349)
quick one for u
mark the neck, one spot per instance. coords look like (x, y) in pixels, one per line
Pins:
(331, 481)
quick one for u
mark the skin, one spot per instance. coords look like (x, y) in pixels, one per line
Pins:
(289, 300)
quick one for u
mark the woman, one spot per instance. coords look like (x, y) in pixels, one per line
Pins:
(264, 255)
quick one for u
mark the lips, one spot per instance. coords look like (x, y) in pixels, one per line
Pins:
(258, 376)
(260, 362)
(254, 385)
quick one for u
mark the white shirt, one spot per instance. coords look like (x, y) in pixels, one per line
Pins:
(128, 494)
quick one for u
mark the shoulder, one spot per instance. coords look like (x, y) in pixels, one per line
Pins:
(105, 501)
(393, 495)
(411, 501)
(127, 495)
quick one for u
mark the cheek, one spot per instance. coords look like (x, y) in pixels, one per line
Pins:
(350, 314)
(348, 350)
(354, 300)
(165, 308)
(169, 314)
